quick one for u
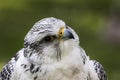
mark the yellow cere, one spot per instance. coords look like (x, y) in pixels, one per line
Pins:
(61, 32)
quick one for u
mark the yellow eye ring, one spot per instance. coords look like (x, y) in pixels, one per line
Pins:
(61, 32)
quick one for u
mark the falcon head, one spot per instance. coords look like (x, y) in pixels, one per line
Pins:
(49, 40)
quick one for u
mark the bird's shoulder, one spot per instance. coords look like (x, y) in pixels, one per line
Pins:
(99, 70)
(8, 69)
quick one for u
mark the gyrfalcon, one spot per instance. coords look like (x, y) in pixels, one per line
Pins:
(51, 52)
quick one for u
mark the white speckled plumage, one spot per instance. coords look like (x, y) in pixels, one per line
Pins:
(48, 56)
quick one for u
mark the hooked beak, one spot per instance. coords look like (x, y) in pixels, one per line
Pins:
(65, 34)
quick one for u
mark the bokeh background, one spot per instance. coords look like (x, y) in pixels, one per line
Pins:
(97, 23)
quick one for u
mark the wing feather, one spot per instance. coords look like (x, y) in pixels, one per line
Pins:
(99, 70)
(6, 72)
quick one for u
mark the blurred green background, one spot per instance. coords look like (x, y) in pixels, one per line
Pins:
(97, 23)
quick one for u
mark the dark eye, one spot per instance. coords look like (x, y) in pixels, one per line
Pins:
(49, 38)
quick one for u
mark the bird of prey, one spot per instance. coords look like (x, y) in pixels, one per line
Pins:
(51, 52)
